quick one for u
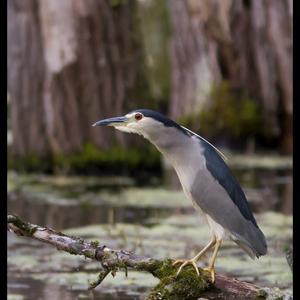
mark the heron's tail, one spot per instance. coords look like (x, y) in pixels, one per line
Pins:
(253, 241)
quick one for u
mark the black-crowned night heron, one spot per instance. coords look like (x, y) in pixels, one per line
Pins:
(205, 179)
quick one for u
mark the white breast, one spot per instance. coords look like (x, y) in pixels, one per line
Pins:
(187, 162)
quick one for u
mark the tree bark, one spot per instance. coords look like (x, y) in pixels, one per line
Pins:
(193, 56)
(248, 43)
(185, 286)
(70, 63)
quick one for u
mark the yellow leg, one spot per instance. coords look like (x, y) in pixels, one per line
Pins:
(194, 260)
(211, 266)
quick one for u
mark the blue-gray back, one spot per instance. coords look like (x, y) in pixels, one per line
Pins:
(221, 172)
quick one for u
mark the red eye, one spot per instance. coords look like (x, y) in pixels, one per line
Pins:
(138, 116)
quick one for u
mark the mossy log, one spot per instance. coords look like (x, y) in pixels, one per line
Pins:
(187, 285)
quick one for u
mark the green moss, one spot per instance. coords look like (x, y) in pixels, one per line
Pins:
(115, 158)
(187, 285)
(117, 3)
(28, 163)
(164, 269)
(95, 243)
(230, 112)
(92, 159)
(27, 228)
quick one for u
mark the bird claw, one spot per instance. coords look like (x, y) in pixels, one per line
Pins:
(185, 263)
(178, 261)
(211, 272)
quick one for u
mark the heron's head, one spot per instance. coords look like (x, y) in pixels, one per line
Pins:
(146, 122)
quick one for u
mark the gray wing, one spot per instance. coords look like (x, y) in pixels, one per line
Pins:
(219, 194)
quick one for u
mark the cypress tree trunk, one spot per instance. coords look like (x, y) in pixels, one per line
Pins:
(193, 55)
(70, 63)
(248, 43)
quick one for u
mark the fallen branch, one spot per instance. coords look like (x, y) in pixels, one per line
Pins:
(186, 286)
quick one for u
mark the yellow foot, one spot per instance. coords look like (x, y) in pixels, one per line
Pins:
(212, 273)
(185, 263)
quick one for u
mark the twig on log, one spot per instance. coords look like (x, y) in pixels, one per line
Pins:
(186, 286)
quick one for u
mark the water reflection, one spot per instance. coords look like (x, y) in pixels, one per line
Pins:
(36, 289)
(66, 216)
(265, 190)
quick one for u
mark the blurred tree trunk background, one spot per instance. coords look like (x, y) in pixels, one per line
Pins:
(70, 63)
(248, 43)
(73, 62)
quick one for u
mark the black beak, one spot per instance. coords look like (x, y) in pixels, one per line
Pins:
(111, 121)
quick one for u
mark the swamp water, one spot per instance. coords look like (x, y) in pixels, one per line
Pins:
(156, 221)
